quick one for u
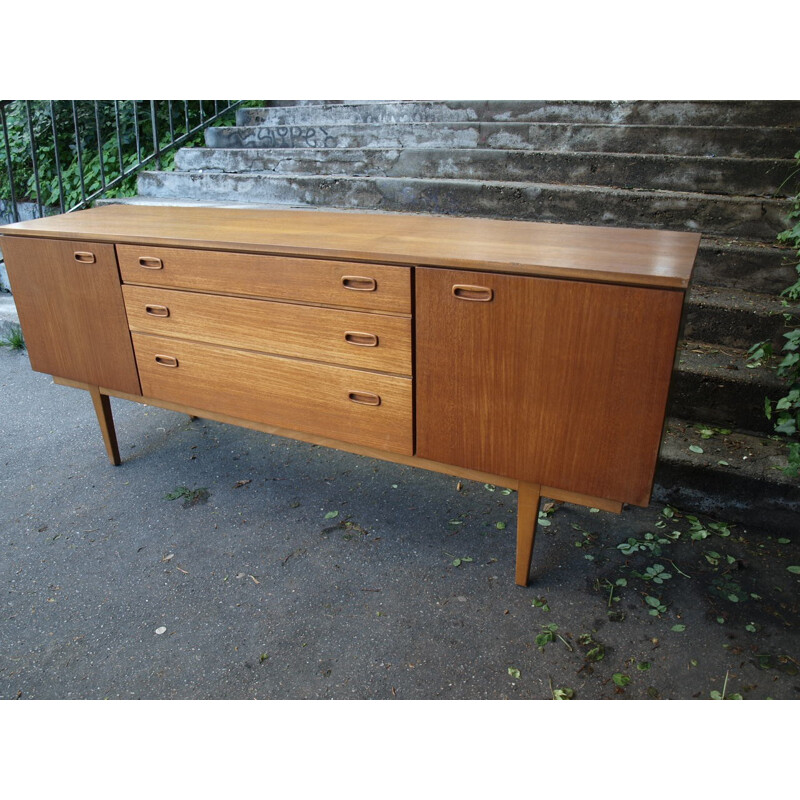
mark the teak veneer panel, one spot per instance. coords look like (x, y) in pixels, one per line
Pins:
(279, 391)
(273, 277)
(308, 332)
(616, 255)
(71, 312)
(561, 383)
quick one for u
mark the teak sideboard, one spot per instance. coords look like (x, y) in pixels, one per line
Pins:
(528, 355)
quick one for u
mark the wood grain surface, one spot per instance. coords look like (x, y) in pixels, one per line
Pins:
(279, 391)
(616, 255)
(300, 331)
(71, 312)
(560, 383)
(275, 277)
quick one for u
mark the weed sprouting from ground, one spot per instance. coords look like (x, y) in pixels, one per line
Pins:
(14, 340)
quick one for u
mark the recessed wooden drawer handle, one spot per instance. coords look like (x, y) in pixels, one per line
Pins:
(166, 361)
(150, 262)
(359, 283)
(365, 398)
(85, 257)
(481, 294)
(361, 339)
(156, 311)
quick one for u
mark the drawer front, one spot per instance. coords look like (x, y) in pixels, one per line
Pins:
(345, 404)
(372, 287)
(350, 338)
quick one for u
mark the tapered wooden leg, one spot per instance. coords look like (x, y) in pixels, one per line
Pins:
(528, 495)
(102, 407)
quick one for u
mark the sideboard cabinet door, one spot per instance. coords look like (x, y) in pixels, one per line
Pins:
(70, 306)
(556, 382)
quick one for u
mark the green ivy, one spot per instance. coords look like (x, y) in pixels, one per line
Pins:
(785, 411)
(42, 113)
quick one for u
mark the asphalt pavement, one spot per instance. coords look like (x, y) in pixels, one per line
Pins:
(218, 562)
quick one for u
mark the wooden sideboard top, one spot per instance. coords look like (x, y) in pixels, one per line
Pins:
(611, 255)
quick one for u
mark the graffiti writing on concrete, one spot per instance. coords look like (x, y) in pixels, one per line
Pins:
(294, 136)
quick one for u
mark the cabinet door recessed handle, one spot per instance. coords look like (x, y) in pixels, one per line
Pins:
(166, 361)
(365, 398)
(481, 294)
(156, 311)
(150, 262)
(361, 339)
(358, 283)
(85, 257)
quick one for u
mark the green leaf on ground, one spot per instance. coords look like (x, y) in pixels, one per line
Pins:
(191, 497)
(596, 653)
(540, 602)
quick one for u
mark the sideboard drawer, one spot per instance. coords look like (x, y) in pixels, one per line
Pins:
(336, 402)
(372, 287)
(350, 338)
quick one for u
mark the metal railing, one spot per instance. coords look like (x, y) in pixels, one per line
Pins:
(61, 155)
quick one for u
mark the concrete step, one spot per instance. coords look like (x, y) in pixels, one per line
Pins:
(739, 176)
(606, 112)
(714, 384)
(742, 141)
(737, 263)
(759, 219)
(747, 488)
(733, 318)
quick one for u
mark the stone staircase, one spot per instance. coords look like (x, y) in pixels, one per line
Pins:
(724, 169)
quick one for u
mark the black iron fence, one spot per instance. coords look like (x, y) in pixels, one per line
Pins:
(61, 155)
